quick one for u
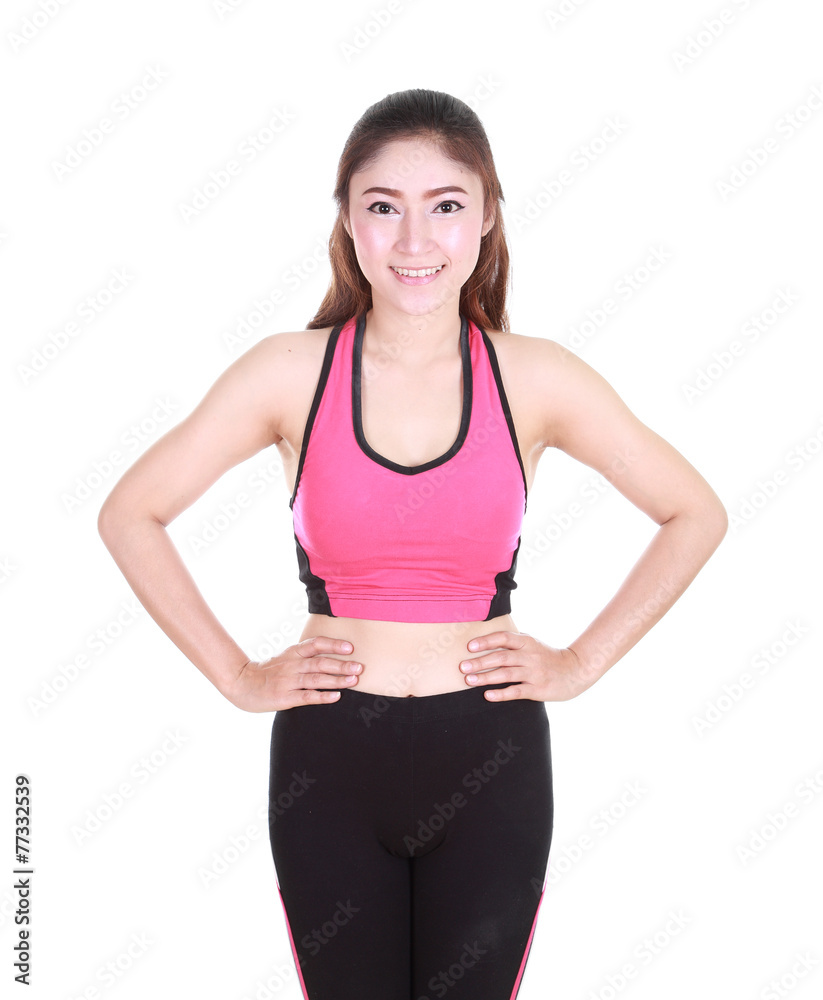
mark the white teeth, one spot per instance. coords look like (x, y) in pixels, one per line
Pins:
(417, 274)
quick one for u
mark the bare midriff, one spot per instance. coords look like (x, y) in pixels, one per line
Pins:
(405, 659)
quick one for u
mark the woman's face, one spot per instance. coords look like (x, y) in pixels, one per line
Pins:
(428, 212)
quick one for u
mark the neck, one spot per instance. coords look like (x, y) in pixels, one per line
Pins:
(412, 340)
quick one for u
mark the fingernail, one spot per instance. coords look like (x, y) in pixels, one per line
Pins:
(473, 645)
(471, 678)
(465, 665)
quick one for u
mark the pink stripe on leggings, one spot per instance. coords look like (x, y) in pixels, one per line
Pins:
(291, 942)
(528, 946)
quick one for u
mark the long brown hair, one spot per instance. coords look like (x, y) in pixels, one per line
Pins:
(453, 127)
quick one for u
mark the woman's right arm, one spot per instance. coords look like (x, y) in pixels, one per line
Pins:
(239, 416)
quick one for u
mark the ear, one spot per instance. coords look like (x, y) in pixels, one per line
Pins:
(488, 225)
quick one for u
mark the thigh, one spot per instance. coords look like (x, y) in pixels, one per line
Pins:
(476, 893)
(345, 897)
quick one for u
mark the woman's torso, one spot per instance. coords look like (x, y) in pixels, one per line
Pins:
(409, 420)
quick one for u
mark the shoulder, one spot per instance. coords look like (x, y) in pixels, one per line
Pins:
(275, 376)
(284, 359)
(556, 386)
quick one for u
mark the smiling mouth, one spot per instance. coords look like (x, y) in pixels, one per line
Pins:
(419, 273)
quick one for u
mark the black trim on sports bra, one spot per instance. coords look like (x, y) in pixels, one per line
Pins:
(504, 402)
(328, 357)
(357, 414)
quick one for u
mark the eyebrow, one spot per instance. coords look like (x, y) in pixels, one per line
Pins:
(394, 193)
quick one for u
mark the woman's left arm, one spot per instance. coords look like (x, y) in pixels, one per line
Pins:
(582, 415)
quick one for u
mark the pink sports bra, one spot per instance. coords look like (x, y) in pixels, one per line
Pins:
(436, 542)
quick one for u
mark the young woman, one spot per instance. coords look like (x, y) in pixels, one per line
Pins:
(411, 789)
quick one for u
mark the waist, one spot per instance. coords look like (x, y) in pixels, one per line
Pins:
(407, 658)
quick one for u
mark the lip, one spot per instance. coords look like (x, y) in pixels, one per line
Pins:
(425, 279)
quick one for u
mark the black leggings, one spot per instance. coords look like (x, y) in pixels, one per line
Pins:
(411, 839)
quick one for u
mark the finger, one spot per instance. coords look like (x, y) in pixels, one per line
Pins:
(310, 696)
(318, 680)
(499, 658)
(510, 640)
(329, 665)
(510, 693)
(323, 644)
(493, 676)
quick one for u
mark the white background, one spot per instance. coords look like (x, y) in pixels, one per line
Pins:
(699, 101)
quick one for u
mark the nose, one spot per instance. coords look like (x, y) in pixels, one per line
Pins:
(414, 233)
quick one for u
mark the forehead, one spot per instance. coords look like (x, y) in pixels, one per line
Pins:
(413, 165)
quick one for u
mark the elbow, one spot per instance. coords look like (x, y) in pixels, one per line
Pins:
(108, 520)
(713, 519)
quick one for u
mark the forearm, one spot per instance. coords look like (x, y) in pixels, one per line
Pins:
(673, 558)
(151, 564)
